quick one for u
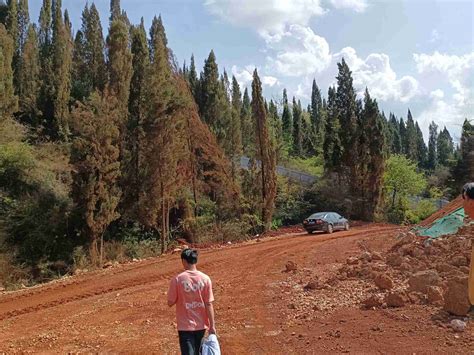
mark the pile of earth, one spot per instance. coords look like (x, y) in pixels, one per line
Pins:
(416, 270)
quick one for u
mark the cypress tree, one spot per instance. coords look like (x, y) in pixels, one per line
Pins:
(115, 11)
(432, 144)
(193, 80)
(287, 120)
(235, 131)
(13, 30)
(445, 148)
(95, 157)
(276, 130)
(119, 63)
(421, 147)
(265, 153)
(8, 100)
(81, 81)
(23, 24)
(316, 117)
(403, 136)
(3, 13)
(246, 124)
(157, 28)
(29, 80)
(411, 142)
(137, 110)
(62, 66)
(210, 92)
(396, 141)
(161, 146)
(347, 112)
(332, 143)
(297, 129)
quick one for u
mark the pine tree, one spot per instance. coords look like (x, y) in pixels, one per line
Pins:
(347, 112)
(332, 144)
(421, 147)
(246, 124)
(265, 153)
(445, 148)
(287, 120)
(396, 141)
(157, 28)
(210, 92)
(297, 129)
(432, 144)
(29, 80)
(95, 157)
(62, 66)
(8, 100)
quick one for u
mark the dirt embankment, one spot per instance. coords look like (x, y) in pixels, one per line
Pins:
(261, 308)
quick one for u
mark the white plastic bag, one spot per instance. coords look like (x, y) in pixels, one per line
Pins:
(210, 346)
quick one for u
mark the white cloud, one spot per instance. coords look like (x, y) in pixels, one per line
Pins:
(377, 75)
(454, 71)
(244, 76)
(270, 81)
(299, 52)
(268, 17)
(356, 5)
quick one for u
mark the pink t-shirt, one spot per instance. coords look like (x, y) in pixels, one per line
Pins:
(190, 290)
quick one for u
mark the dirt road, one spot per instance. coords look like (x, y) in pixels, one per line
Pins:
(124, 309)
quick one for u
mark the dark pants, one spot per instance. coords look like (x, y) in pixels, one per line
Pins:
(190, 342)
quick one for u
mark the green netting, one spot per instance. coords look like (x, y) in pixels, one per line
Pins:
(448, 224)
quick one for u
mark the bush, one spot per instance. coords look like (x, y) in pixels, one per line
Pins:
(13, 276)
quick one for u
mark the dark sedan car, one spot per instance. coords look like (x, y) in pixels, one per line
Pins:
(325, 221)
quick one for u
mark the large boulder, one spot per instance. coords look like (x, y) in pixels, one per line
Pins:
(456, 300)
(420, 281)
(435, 295)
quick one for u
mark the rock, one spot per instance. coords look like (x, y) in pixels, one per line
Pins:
(312, 285)
(291, 266)
(396, 299)
(456, 299)
(108, 264)
(291, 306)
(417, 297)
(420, 281)
(403, 239)
(464, 269)
(378, 267)
(376, 256)
(458, 325)
(384, 282)
(435, 295)
(352, 260)
(373, 301)
(444, 267)
(176, 250)
(416, 252)
(365, 256)
(2, 289)
(459, 261)
(394, 259)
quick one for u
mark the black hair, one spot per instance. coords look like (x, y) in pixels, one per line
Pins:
(190, 255)
(468, 190)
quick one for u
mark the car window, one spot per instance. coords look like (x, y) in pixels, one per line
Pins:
(337, 215)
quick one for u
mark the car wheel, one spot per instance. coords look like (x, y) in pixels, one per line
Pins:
(330, 229)
(346, 226)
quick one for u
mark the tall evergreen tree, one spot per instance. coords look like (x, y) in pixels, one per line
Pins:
(445, 148)
(464, 169)
(396, 141)
(115, 11)
(157, 28)
(316, 117)
(193, 80)
(403, 135)
(432, 144)
(421, 147)
(137, 110)
(12, 28)
(62, 66)
(23, 24)
(411, 141)
(29, 80)
(297, 147)
(332, 143)
(246, 124)
(95, 157)
(287, 120)
(347, 111)
(235, 131)
(265, 152)
(8, 100)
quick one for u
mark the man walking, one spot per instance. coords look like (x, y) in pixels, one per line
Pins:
(191, 292)
(468, 204)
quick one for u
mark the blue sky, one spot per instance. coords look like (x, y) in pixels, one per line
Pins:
(415, 54)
